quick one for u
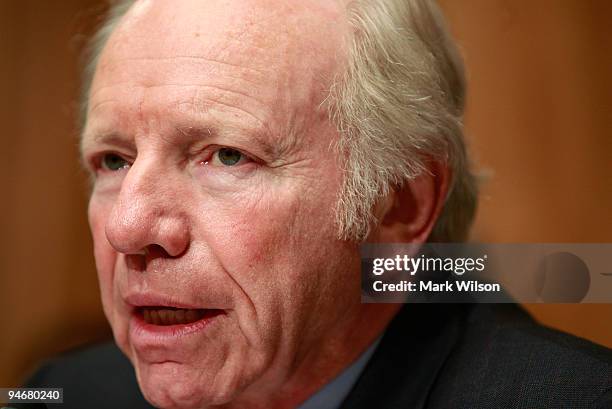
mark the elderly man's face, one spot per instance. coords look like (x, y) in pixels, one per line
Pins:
(212, 209)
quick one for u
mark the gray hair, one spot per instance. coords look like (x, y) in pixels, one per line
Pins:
(398, 105)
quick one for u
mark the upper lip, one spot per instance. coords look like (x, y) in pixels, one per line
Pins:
(149, 299)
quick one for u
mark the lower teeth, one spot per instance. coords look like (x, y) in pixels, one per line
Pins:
(167, 316)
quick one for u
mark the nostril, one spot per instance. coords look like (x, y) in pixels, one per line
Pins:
(153, 251)
(139, 261)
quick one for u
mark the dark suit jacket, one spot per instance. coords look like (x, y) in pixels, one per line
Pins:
(431, 356)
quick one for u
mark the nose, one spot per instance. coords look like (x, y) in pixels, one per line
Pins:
(147, 215)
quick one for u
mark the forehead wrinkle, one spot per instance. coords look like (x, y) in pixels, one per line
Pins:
(206, 75)
(98, 104)
(131, 85)
(199, 103)
(208, 59)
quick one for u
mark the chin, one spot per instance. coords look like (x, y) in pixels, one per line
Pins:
(173, 386)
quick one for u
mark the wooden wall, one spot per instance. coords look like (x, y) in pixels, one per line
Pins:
(48, 288)
(539, 118)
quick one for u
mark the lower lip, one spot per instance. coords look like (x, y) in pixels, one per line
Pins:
(142, 332)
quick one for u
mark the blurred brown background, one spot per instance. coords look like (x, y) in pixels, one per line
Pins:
(539, 117)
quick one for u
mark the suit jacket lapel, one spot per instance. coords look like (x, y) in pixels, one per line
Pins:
(405, 365)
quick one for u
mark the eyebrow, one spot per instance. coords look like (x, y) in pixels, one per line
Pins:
(272, 147)
(105, 138)
(267, 142)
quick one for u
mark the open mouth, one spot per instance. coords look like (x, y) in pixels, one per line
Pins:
(174, 316)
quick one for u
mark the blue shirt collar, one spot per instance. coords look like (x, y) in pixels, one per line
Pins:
(333, 393)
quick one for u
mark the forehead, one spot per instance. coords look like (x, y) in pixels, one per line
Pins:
(256, 66)
(275, 27)
(279, 50)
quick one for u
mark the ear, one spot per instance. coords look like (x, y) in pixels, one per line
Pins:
(409, 212)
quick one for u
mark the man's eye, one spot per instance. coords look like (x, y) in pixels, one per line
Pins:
(113, 162)
(228, 156)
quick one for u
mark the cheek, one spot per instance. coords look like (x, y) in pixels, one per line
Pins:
(270, 234)
(104, 254)
(274, 245)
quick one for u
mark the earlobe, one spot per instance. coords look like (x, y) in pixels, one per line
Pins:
(408, 214)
